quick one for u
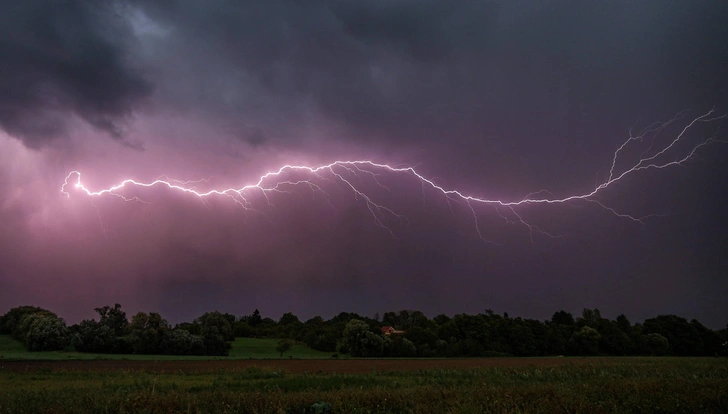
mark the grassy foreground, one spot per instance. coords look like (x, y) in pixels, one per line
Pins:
(639, 385)
(242, 348)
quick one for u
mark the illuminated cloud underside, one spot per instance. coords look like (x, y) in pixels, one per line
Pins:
(344, 172)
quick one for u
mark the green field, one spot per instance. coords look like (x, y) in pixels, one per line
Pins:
(266, 348)
(608, 385)
(242, 348)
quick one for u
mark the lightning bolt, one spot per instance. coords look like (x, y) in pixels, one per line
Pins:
(351, 173)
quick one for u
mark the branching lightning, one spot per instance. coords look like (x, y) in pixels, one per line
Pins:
(351, 174)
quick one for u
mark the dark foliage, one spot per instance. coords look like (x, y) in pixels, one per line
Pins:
(485, 334)
(37, 328)
(284, 345)
(44, 332)
(10, 322)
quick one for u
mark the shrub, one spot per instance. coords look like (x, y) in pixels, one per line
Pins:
(45, 332)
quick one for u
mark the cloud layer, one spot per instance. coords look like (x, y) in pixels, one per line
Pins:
(66, 60)
(495, 99)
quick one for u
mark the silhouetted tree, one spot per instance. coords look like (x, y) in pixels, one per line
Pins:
(284, 345)
(114, 318)
(723, 335)
(424, 340)
(147, 333)
(230, 318)
(585, 341)
(92, 336)
(557, 338)
(613, 340)
(657, 345)
(563, 318)
(624, 324)
(45, 332)
(216, 331)
(441, 319)
(710, 339)
(10, 322)
(400, 346)
(219, 322)
(684, 338)
(590, 318)
(359, 341)
(288, 319)
(241, 329)
(182, 342)
(255, 319)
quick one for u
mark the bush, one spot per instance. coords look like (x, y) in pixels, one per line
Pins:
(322, 339)
(402, 347)
(360, 342)
(37, 328)
(147, 332)
(657, 344)
(218, 321)
(215, 343)
(181, 342)
(10, 323)
(45, 332)
(92, 336)
(585, 341)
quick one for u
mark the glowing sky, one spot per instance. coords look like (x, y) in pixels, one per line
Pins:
(497, 101)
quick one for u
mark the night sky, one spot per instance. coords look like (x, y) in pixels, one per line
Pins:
(493, 99)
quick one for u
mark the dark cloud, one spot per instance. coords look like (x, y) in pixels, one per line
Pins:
(414, 27)
(65, 59)
(496, 99)
(424, 71)
(409, 72)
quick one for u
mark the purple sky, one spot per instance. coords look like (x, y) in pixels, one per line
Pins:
(493, 100)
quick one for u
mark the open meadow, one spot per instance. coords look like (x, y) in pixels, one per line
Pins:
(484, 385)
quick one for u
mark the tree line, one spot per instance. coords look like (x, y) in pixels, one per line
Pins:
(462, 335)
(147, 333)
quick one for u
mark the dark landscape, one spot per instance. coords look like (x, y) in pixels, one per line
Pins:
(348, 206)
(496, 385)
(400, 363)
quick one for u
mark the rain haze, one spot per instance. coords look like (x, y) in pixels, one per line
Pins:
(496, 100)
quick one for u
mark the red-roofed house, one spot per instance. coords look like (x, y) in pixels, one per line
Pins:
(388, 330)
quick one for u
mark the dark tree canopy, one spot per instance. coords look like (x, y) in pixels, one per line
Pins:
(416, 335)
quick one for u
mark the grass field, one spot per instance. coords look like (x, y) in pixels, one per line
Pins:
(501, 385)
(266, 348)
(242, 348)
(254, 379)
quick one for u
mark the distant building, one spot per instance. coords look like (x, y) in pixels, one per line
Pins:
(388, 330)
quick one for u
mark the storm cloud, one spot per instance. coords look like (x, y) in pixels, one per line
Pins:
(497, 99)
(60, 60)
(422, 71)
